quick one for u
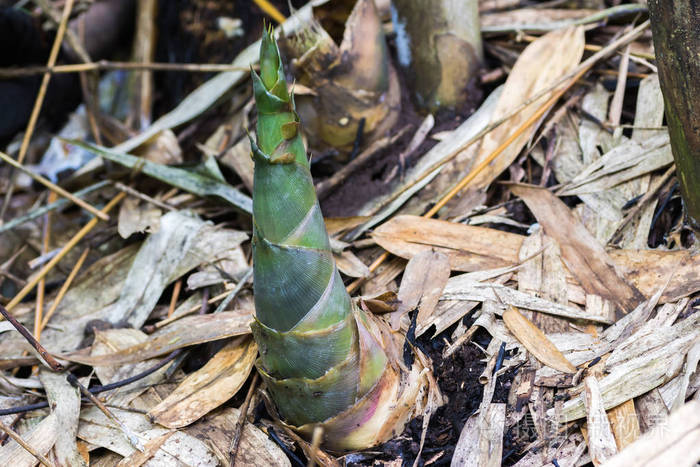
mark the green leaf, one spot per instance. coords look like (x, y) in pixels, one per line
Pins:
(205, 181)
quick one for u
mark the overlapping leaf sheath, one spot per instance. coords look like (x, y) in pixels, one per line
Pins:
(352, 82)
(323, 360)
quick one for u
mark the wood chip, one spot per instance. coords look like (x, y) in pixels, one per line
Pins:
(601, 443)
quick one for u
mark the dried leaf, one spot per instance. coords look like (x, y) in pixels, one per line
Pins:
(162, 148)
(138, 458)
(112, 340)
(481, 440)
(256, 449)
(464, 287)
(646, 370)
(544, 62)
(64, 400)
(238, 158)
(336, 225)
(184, 332)
(423, 281)
(535, 341)
(624, 424)
(676, 442)
(202, 184)
(585, 258)
(135, 217)
(96, 429)
(468, 248)
(41, 438)
(183, 242)
(350, 265)
(210, 386)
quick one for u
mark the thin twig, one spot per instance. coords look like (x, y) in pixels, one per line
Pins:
(38, 103)
(137, 194)
(59, 256)
(174, 297)
(270, 10)
(61, 203)
(12, 434)
(240, 423)
(105, 65)
(41, 287)
(48, 358)
(130, 435)
(641, 203)
(53, 187)
(64, 288)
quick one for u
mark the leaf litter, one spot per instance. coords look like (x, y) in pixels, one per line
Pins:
(569, 325)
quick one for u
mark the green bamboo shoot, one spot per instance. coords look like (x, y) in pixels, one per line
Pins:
(324, 361)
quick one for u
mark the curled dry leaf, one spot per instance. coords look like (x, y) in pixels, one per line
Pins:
(135, 216)
(210, 386)
(535, 341)
(64, 400)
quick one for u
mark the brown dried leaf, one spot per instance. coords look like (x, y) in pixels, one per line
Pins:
(350, 265)
(535, 341)
(256, 449)
(210, 386)
(184, 332)
(468, 248)
(336, 225)
(540, 65)
(423, 281)
(585, 258)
